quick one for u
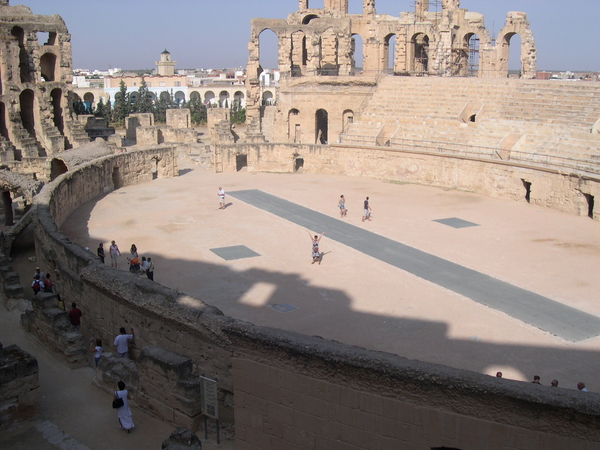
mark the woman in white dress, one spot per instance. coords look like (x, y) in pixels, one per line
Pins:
(124, 413)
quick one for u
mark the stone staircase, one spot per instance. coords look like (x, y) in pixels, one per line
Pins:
(549, 117)
(76, 133)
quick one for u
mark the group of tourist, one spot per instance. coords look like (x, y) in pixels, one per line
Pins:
(42, 282)
(146, 266)
(366, 208)
(553, 383)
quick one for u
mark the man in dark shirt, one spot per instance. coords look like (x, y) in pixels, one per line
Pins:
(74, 315)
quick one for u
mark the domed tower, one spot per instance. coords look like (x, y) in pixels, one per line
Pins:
(165, 66)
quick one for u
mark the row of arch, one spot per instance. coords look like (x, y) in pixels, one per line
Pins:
(47, 59)
(465, 59)
(321, 125)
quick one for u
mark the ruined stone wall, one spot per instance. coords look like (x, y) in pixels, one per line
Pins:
(285, 388)
(178, 118)
(294, 391)
(19, 387)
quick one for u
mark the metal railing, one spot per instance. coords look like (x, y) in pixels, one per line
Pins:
(556, 162)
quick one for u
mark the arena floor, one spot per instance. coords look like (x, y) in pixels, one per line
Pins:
(354, 296)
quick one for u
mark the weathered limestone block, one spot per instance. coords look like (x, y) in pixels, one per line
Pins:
(168, 387)
(182, 439)
(178, 118)
(19, 387)
(111, 370)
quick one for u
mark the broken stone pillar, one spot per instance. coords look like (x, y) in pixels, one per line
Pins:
(368, 7)
(182, 439)
(302, 5)
(421, 8)
(19, 387)
(450, 4)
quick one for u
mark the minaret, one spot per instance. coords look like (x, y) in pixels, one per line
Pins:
(165, 66)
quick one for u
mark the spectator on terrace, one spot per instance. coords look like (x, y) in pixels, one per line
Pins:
(581, 386)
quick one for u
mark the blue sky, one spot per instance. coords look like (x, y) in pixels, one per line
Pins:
(214, 34)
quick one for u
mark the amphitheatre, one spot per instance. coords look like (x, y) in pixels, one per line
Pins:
(481, 256)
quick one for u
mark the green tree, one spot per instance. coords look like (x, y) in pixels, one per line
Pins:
(143, 102)
(237, 114)
(197, 109)
(100, 109)
(122, 107)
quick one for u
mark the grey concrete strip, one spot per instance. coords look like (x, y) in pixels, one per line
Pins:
(529, 307)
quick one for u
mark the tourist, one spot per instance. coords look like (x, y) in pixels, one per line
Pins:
(536, 379)
(366, 210)
(144, 265)
(37, 284)
(134, 265)
(48, 285)
(122, 343)
(150, 269)
(315, 240)
(221, 195)
(100, 252)
(342, 206)
(554, 383)
(114, 253)
(124, 413)
(316, 255)
(39, 273)
(97, 350)
(498, 374)
(581, 386)
(74, 315)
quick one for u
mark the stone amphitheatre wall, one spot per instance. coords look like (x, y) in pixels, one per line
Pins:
(549, 187)
(282, 389)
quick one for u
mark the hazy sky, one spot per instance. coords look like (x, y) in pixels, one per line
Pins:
(131, 34)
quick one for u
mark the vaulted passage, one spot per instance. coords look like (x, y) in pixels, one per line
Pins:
(56, 96)
(48, 66)
(24, 66)
(27, 117)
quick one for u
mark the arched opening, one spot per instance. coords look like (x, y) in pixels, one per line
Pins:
(48, 66)
(472, 44)
(165, 97)
(179, 97)
(299, 54)
(3, 128)
(239, 97)
(194, 96)
(57, 115)
(268, 50)
(116, 178)
(389, 53)
(133, 97)
(57, 168)
(154, 168)
(298, 164)
(26, 101)
(321, 126)
(209, 98)
(7, 209)
(329, 53)
(308, 18)
(527, 186)
(512, 44)
(294, 126)
(420, 43)
(151, 96)
(88, 102)
(24, 66)
(224, 101)
(356, 49)
(347, 118)
(589, 198)
(241, 161)
(267, 98)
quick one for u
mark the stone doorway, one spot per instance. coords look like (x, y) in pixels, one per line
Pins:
(321, 126)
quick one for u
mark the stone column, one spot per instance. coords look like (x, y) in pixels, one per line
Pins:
(302, 5)
(421, 8)
(450, 4)
(368, 7)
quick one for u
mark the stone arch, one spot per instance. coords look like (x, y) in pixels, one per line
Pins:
(268, 45)
(239, 97)
(471, 44)
(57, 111)
(48, 66)
(420, 53)
(179, 97)
(389, 51)
(321, 126)
(267, 98)
(516, 23)
(133, 97)
(88, 101)
(24, 58)
(26, 103)
(194, 96)
(165, 96)
(3, 128)
(347, 118)
(151, 96)
(224, 100)
(307, 19)
(209, 97)
(299, 54)
(356, 50)
(294, 133)
(57, 168)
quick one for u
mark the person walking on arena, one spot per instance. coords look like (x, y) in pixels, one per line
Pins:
(366, 210)
(124, 413)
(342, 206)
(221, 195)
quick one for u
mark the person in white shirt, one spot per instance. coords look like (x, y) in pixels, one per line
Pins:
(122, 343)
(221, 195)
